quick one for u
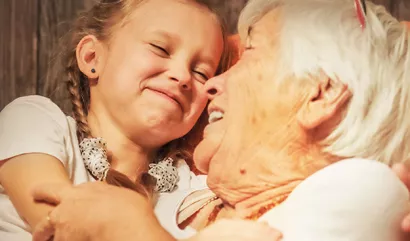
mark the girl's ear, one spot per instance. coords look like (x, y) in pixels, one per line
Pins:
(89, 53)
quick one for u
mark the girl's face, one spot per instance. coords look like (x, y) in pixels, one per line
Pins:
(152, 72)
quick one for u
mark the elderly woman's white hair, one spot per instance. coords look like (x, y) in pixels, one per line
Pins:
(319, 36)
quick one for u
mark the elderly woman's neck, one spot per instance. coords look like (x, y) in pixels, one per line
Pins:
(272, 181)
(255, 206)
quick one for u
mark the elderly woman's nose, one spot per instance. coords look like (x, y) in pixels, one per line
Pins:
(215, 86)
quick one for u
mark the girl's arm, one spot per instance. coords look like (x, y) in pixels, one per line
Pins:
(18, 176)
(34, 135)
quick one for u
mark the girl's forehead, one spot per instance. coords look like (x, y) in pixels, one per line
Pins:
(173, 15)
(173, 7)
(175, 25)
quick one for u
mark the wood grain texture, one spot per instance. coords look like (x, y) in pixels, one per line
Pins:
(398, 8)
(401, 9)
(229, 10)
(55, 19)
(18, 49)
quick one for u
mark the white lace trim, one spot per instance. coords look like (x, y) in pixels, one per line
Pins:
(166, 175)
(94, 153)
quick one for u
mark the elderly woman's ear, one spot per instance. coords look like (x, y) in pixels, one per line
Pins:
(325, 102)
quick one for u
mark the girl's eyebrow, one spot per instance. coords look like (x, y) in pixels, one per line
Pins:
(166, 35)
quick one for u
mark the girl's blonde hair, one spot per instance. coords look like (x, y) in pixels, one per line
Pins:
(101, 21)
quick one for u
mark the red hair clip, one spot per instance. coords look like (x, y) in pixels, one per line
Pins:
(360, 6)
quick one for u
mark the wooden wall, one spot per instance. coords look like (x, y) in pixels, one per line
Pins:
(29, 30)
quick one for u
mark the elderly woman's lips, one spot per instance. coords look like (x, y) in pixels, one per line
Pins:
(215, 116)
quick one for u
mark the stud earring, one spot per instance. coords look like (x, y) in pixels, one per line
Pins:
(93, 70)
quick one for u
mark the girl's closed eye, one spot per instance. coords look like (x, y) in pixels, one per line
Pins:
(159, 50)
(201, 76)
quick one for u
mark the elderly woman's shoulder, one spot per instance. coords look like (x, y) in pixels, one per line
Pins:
(354, 199)
(357, 167)
(353, 175)
(359, 190)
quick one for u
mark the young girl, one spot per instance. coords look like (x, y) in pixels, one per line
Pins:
(135, 72)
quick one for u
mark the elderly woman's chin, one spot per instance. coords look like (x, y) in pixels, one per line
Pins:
(208, 147)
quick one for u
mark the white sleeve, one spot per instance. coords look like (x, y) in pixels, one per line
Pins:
(353, 200)
(33, 124)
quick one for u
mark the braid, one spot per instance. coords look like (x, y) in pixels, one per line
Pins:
(77, 85)
(74, 86)
(79, 91)
(144, 187)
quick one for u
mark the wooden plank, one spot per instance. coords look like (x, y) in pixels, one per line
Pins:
(229, 10)
(398, 8)
(55, 19)
(18, 49)
(401, 10)
(385, 3)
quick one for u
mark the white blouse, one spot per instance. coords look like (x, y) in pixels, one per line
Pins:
(351, 200)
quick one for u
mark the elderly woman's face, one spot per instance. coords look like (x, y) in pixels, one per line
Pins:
(251, 111)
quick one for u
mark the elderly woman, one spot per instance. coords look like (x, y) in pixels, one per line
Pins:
(303, 128)
(295, 124)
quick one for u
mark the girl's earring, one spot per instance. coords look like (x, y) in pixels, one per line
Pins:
(93, 81)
